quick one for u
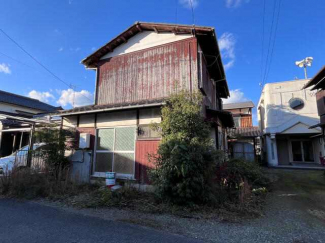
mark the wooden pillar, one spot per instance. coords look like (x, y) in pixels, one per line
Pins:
(14, 143)
(254, 142)
(21, 139)
(31, 145)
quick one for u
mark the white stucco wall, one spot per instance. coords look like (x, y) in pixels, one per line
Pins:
(144, 40)
(274, 109)
(277, 118)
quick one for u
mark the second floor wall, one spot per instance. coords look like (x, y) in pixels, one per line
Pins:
(282, 102)
(148, 74)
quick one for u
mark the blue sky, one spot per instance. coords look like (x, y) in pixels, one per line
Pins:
(61, 33)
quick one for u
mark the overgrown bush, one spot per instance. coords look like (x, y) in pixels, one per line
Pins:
(186, 159)
(236, 178)
(53, 152)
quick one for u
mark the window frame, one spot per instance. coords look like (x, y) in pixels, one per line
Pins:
(118, 175)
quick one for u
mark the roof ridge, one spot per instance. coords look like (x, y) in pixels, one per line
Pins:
(25, 97)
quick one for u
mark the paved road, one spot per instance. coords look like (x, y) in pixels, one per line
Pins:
(29, 222)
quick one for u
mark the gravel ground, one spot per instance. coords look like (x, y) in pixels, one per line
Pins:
(292, 214)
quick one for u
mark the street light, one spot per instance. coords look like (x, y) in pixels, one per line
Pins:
(304, 63)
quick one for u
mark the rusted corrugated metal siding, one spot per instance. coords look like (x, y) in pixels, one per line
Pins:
(246, 121)
(149, 74)
(142, 164)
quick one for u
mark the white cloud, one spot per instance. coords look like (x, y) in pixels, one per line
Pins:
(5, 68)
(189, 3)
(227, 44)
(41, 96)
(236, 96)
(61, 49)
(93, 48)
(235, 3)
(75, 98)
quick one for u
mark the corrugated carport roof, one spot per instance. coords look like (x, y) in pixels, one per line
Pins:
(206, 37)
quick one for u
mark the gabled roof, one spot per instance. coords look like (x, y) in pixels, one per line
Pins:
(19, 100)
(206, 36)
(239, 105)
(318, 80)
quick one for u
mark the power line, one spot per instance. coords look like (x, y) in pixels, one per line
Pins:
(271, 42)
(39, 63)
(275, 32)
(263, 30)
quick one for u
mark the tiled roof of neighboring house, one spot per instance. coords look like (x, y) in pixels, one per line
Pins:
(244, 132)
(19, 100)
(111, 107)
(246, 104)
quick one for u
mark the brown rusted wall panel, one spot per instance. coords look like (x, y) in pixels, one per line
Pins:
(246, 121)
(149, 74)
(142, 164)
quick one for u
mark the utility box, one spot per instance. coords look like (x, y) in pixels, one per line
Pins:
(84, 140)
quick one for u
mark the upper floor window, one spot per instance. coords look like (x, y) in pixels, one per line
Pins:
(237, 121)
(296, 103)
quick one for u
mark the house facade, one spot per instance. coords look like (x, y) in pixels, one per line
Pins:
(135, 73)
(287, 114)
(243, 139)
(16, 112)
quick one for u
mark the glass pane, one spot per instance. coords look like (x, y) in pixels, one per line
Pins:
(103, 162)
(308, 151)
(296, 151)
(124, 163)
(237, 121)
(124, 139)
(105, 139)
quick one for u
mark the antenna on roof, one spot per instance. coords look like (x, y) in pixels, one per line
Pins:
(304, 63)
(193, 17)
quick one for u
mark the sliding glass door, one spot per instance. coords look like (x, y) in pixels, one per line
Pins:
(302, 151)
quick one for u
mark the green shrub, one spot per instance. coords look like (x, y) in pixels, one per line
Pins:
(236, 177)
(186, 159)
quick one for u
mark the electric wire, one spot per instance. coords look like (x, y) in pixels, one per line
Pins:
(38, 62)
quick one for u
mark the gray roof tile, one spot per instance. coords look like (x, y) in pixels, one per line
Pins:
(15, 99)
(246, 104)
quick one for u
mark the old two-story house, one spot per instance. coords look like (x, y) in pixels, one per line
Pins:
(136, 71)
(243, 139)
(16, 113)
(287, 114)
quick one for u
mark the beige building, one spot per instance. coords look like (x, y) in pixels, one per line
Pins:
(287, 114)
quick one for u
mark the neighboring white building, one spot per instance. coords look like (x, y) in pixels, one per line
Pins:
(286, 112)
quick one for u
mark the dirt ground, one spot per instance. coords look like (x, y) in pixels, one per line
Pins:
(294, 212)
